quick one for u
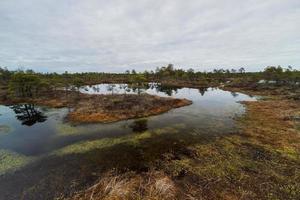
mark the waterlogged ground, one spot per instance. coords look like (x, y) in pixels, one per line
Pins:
(41, 156)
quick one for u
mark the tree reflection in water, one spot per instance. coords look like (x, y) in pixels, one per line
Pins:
(139, 125)
(234, 94)
(168, 90)
(202, 90)
(28, 114)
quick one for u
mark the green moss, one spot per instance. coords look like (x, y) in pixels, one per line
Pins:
(11, 161)
(290, 152)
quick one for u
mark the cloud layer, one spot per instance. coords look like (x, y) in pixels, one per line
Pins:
(100, 35)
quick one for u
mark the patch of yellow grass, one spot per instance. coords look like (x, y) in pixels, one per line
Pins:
(130, 186)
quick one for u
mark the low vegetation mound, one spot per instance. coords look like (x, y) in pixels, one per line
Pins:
(111, 108)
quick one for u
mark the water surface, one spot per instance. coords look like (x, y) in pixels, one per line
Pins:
(43, 157)
(34, 131)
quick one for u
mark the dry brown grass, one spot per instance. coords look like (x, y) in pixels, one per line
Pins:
(130, 186)
(271, 122)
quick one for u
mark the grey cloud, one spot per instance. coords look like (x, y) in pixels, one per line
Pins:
(98, 35)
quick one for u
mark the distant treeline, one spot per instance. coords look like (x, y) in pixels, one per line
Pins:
(29, 83)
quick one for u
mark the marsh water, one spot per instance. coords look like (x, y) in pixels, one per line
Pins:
(36, 141)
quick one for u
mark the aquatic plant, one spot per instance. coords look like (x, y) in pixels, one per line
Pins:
(134, 139)
(65, 129)
(11, 161)
(5, 129)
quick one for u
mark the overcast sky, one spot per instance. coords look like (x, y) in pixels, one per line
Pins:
(115, 35)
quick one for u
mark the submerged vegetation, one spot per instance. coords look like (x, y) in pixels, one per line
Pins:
(4, 129)
(11, 161)
(259, 160)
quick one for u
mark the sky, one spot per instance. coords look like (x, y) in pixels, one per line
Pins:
(116, 35)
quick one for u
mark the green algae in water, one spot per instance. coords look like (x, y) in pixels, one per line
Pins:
(5, 129)
(85, 146)
(10, 161)
(66, 130)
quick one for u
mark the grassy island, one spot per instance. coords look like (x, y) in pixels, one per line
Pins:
(111, 108)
